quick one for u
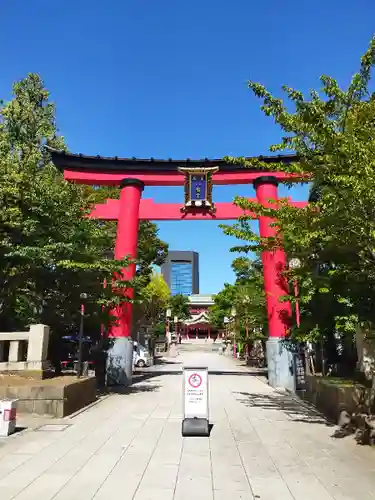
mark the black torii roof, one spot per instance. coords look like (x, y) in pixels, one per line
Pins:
(73, 161)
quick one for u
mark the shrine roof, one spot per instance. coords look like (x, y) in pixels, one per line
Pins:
(196, 319)
(73, 161)
(201, 299)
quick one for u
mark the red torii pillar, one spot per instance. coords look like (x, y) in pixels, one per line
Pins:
(279, 313)
(120, 354)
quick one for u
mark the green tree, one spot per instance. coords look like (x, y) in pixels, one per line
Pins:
(50, 251)
(151, 249)
(223, 304)
(151, 308)
(179, 305)
(332, 134)
(245, 296)
(48, 248)
(249, 297)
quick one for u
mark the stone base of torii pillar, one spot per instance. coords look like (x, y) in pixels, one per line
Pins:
(279, 364)
(120, 362)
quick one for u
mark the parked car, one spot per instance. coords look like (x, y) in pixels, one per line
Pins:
(141, 356)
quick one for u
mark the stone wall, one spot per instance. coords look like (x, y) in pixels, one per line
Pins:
(57, 397)
(331, 397)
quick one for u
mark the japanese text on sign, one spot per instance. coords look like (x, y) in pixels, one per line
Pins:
(198, 187)
(195, 393)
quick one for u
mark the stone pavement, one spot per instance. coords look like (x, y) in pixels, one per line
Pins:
(214, 361)
(263, 445)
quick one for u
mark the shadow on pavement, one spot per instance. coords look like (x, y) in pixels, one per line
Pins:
(296, 411)
(150, 373)
(134, 389)
(141, 375)
(163, 361)
(251, 373)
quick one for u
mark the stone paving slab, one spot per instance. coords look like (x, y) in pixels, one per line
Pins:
(263, 445)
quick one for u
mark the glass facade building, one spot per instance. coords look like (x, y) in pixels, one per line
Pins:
(181, 278)
(181, 272)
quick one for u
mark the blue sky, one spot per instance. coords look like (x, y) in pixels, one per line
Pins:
(167, 78)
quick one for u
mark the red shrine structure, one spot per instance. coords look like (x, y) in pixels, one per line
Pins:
(198, 326)
(198, 177)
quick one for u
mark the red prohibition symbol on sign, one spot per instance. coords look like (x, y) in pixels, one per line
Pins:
(195, 380)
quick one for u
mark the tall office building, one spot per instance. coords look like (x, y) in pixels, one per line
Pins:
(181, 272)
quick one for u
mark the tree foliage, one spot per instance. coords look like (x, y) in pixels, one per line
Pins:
(223, 304)
(332, 134)
(50, 251)
(151, 308)
(245, 297)
(179, 305)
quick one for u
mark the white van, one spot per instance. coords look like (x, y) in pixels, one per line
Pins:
(141, 356)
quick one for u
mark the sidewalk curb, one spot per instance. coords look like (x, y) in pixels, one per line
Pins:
(91, 405)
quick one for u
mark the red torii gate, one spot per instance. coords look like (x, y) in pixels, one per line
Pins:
(133, 174)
